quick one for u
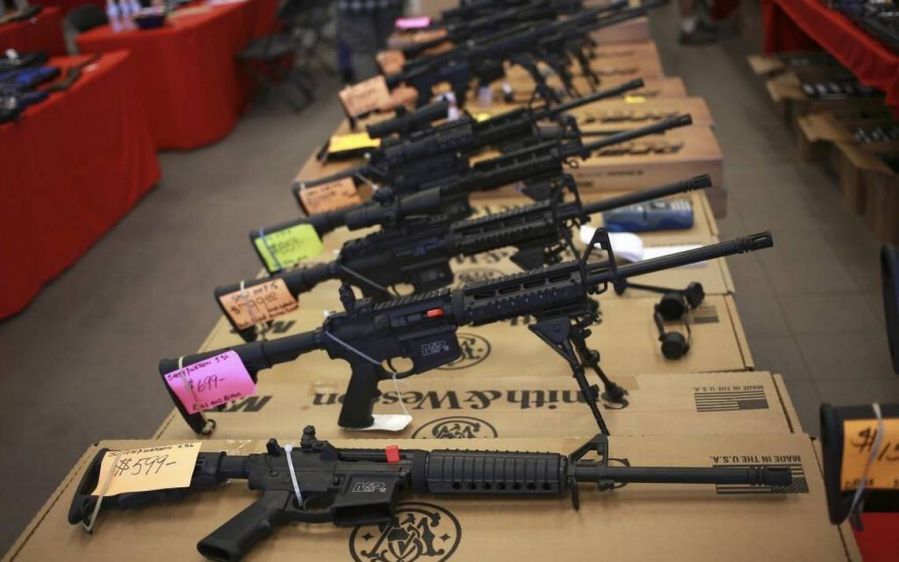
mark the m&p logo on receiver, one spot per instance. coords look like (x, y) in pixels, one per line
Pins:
(418, 531)
(474, 350)
(456, 427)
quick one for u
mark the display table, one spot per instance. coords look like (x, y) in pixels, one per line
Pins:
(793, 25)
(67, 6)
(72, 167)
(40, 33)
(191, 86)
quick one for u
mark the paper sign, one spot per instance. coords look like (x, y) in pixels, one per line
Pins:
(391, 61)
(858, 441)
(257, 304)
(211, 382)
(353, 141)
(365, 97)
(285, 248)
(634, 99)
(419, 22)
(329, 196)
(146, 469)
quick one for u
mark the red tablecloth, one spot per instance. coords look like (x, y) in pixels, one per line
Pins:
(192, 87)
(68, 5)
(70, 168)
(879, 542)
(792, 25)
(41, 33)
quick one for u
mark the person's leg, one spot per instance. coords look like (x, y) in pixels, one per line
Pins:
(386, 22)
(359, 32)
(693, 31)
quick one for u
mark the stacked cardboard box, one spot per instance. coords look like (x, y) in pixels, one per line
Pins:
(846, 134)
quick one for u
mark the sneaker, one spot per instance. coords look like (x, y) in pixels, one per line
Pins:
(702, 35)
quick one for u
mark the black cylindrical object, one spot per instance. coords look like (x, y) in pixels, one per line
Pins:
(410, 122)
(299, 280)
(643, 195)
(624, 136)
(712, 251)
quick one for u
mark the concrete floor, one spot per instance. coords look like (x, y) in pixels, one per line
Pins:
(79, 364)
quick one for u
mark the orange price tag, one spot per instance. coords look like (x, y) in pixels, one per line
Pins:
(150, 468)
(365, 97)
(330, 196)
(858, 442)
(259, 303)
(391, 61)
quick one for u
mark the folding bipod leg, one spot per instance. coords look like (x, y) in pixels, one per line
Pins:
(614, 393)
(556, 332)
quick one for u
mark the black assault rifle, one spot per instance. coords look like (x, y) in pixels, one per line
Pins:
(419, 253)
(317, 482)
(422, 328)
(436, 153)
(539, 166)
(484, 59)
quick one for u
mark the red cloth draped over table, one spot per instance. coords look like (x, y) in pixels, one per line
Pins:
(191, 85)
(792, 25)
(68, 5)
(70, 168)
(41, 33)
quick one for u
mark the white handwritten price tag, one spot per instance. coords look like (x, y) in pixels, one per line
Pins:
(148, 468)
(858, 441)
(365, 97)
(260, 303)
(211, 382)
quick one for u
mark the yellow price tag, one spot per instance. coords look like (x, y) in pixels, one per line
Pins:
(352, 141)
(482, 117)
(147, 468)
(858, 441)
(634, 99)
(285, 248)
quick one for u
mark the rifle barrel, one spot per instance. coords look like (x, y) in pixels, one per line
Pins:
(602, 273)
(643, 195)
(605, 94)
(624, 136)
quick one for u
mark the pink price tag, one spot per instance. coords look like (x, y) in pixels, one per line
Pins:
(211, 382)
(405, 24)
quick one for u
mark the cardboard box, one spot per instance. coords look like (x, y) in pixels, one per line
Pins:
(695, 523)
(632, 30)
(785, 90)
(864, 166)
(629, 113)
(658, 159)
(881, 172)
(528, 407)
(642, 49)
(817, 132)
(605, 68)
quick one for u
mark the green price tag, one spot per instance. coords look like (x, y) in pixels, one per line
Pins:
(290, 246)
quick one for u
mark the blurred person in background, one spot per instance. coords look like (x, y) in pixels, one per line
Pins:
(693, 29)
(364, 27)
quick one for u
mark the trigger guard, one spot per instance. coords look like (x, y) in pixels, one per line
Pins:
(398, 374)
